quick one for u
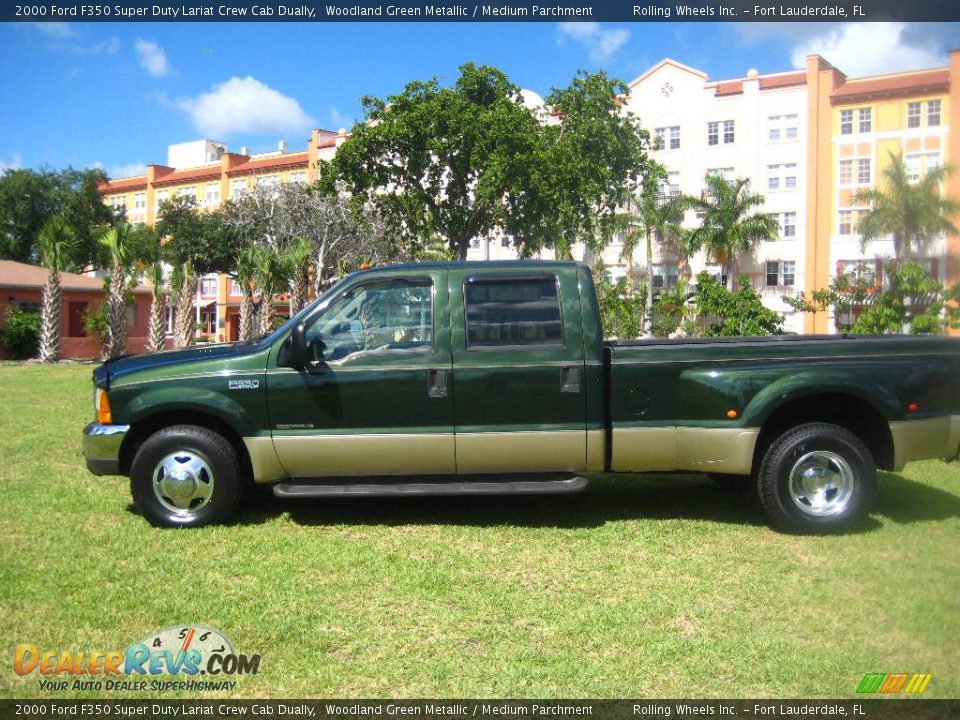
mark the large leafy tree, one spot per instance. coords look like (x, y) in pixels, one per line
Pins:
(55, 243)
(733, 222)
(29, 198)
(911, 213)
(191, 236)
(654, 215)
(469, 160)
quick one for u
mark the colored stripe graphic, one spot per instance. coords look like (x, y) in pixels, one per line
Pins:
(871, 682)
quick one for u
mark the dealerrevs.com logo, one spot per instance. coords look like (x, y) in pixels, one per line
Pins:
(170, 659)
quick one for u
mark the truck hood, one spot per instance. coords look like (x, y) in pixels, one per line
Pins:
(172, 363)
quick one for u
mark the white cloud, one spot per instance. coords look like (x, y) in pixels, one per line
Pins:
(128, 170)
(54, 29)
(338, 120)
(602, 44)
(16, 162)
(869, 49)
(244, 105)
(152, 57)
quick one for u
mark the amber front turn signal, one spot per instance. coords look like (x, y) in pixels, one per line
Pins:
(732, 414)
(102, 404)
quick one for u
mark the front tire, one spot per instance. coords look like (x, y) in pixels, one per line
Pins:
(817, 477)
(185, 476)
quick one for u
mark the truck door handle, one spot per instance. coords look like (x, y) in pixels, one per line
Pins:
(570, 379)
(437, 383)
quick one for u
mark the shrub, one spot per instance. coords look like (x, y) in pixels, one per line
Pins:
(21, 336)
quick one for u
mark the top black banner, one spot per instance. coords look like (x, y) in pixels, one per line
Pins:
(483, 11)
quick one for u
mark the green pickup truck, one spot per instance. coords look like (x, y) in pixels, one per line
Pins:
(493, 378)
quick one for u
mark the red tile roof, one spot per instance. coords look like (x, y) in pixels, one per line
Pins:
(729, 87)
(21, 275)
(182, 176)
(277, 162)
(124, 185)
(785, 80)
(926, 81)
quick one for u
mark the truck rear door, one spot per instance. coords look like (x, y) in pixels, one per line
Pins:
(518, 369)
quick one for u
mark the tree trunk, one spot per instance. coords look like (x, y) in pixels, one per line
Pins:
(298, 291)
(266, 314)
(50, 314)
(246, 315)
(156, 331)
(729, 267)
(648, 321)
(185, 323)
(116, 344)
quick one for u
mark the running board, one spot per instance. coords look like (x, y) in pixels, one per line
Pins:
(363, 487)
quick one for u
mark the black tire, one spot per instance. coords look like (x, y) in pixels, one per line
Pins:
(734, 483)
(817, 478)
(219, 476)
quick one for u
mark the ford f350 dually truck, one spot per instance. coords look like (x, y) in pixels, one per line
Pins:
(493, 378)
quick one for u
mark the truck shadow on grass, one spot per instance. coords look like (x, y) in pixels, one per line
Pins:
(639, 497)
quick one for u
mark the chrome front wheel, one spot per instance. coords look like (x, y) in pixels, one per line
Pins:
(183, 482)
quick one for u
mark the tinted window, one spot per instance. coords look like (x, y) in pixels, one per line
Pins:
(513, 312)
(390, 315)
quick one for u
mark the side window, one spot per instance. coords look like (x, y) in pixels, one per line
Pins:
(513, 312)
(388, 315)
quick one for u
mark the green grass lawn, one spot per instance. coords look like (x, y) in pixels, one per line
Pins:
(645, 586)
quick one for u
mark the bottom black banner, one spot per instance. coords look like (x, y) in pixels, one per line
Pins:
(865, 709)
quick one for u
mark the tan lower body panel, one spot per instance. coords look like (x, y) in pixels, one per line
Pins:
(538, 451)
(359, 455)
(924, 439)
(263, 458)
(721, 450)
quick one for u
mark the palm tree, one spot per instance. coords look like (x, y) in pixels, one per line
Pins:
(912, 213)
(56, 242)
(298, 256)
(732, 222)
(245, 267)
(272, 272)
(156, 330)
(118, 244)
(184, 283)
(655, 214)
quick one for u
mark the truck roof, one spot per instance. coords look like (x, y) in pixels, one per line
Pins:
(505, 264)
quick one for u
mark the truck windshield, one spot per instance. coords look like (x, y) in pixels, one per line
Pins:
(323, 299)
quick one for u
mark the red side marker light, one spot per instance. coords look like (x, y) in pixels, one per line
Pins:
(913, 407)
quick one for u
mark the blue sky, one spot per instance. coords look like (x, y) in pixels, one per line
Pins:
(114, 95)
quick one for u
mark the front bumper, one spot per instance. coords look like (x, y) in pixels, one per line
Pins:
(101, 447)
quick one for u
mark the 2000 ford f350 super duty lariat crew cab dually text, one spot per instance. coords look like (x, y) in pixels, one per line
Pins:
(493, 378)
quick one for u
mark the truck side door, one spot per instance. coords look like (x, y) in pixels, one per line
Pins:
(379, 402)
(519, 391)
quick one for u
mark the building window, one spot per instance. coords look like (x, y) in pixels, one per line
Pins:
(728, 133)
(238, 188)
(140, 201)
(268, 181)
(188, 192)
(506, 240)
(845, 226)
(513, 312)
(208, 321)
(213, 194)
(866, 120)
(726, 173)
(299, 178)
(788, 224)
(29, 306)
(913, 115)
(118, 202)
(235, 287)
(665, 275)
(781, 273)
(782, 127)
(933, 113)
(859, 271)
(717, 273)
(846, 122)
(863, 171)
(713, 133)
(667, 137)
(208, 286)
(672, 185)
(783, 176)
(716, 130)
(912, 165)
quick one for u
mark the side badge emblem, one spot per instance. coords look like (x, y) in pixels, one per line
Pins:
(243, 384)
